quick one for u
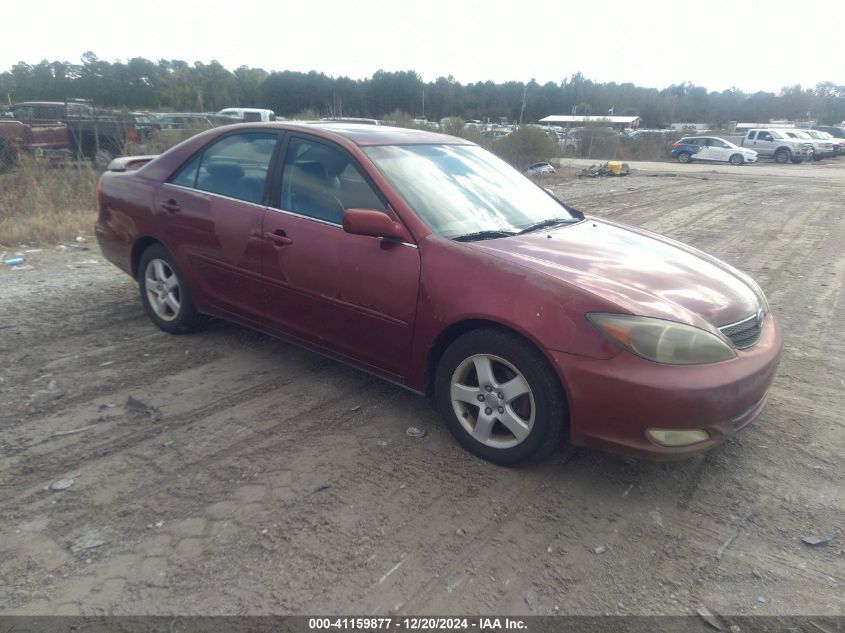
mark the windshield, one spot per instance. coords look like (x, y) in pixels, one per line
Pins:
(800, 134)
(462, 189)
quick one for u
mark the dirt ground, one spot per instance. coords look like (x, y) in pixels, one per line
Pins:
(229, 473)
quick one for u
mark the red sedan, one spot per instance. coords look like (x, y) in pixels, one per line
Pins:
(428, 261)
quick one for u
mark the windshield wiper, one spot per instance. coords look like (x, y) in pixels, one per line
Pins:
(483, 235)
(547, 223)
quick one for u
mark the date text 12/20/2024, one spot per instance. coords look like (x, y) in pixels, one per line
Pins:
(481, 624)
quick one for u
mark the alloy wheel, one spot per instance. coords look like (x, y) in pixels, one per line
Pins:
(163, 291)
(493, 401)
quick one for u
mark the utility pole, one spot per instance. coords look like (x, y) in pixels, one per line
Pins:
(522, 109)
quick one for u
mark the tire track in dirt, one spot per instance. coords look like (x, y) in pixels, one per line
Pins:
(265, 488)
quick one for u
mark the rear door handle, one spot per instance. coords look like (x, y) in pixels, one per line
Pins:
(279, 237)
(171, 206)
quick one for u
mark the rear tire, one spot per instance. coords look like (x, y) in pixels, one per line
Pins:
(8, 155)
(500, 397)
(684, 157)
(164, 293)
(736, 159)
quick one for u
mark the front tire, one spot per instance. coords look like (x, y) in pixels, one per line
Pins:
(500, 397)
(783, 156)
(164, 294)
(736, 159)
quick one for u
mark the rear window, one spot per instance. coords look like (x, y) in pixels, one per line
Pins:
(234, 166)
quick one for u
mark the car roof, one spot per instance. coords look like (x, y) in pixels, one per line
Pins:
(368, 135)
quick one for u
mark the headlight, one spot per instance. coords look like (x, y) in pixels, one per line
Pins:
(796, 146)
(662, 341)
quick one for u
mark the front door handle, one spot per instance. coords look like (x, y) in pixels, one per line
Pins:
(171, 206)
(279, 237)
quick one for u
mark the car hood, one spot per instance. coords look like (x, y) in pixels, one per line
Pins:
(638, 271)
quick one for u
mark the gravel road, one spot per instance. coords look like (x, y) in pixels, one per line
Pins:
(229, 473)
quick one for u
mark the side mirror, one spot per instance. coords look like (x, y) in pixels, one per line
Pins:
(373, 223)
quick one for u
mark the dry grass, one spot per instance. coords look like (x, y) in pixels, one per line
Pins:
(44, 204)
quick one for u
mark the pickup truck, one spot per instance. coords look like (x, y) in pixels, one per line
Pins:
(774, 143)
(94, 134)
(823, 147)
(50, 141)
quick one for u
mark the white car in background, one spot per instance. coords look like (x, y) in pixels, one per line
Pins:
(713, 149)
(249, 115)
(539, 169)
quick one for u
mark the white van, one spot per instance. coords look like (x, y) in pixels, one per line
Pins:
(249, 115)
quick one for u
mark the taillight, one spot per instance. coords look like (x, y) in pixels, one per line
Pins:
(132, 135)
(678, 144)
(100, 192)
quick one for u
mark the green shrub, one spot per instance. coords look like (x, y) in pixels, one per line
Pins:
(525, 146)
(453, 126)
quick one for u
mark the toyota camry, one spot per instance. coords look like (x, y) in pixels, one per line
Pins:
(430, 262)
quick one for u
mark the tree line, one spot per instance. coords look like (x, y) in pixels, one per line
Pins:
(176, 85)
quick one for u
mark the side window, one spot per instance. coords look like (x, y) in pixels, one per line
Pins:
(24, 113)
(321, 182)
(752, 135)
(235, 166)
(187, 176)
(764, 136)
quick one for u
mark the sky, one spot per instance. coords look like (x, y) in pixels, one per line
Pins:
(749, 44)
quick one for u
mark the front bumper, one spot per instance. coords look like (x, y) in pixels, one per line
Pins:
(613, 402)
